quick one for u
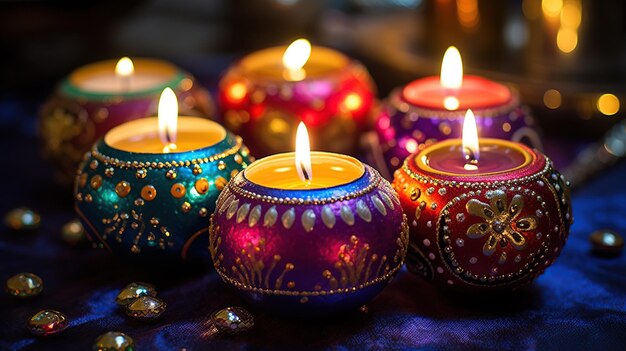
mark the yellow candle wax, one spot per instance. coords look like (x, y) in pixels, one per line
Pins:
(142, 135)
(268, 63)
(328, 170)
(102, 77)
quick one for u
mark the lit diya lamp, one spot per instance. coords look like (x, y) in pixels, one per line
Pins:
(99, 96)
(308, 232)
(484, 214)
(432, 109)
(265, 95)
(147, 188)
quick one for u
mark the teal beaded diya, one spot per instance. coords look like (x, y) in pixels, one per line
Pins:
(137, 198)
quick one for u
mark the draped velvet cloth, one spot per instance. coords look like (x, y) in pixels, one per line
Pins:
(578, 304)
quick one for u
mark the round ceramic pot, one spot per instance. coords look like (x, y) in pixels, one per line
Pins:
(308, 252)
(154, 207)
(484, 232)
(74, 117)
(335, 102)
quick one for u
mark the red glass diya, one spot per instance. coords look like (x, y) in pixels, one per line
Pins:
(263, 101)
(495, 224)
(99, 96)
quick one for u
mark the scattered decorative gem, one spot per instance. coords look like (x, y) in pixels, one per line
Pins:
(22, 218)
(114, 341)
(233, 320)
(47, 322)
(606, 242)
(134, 291)
(24, 285)
(146, 308)
(73, 232)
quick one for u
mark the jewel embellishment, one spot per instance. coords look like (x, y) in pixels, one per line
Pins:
(47, 322)
(308, 220)
(288, 218)
(146, 308)
(328, 217)
(134, 291)
(114, 341)
(24, 285)
(501, 224)
(232, 320)
(270, 217)
(255, 215)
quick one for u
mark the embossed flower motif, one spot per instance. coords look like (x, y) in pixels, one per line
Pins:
(501, 223)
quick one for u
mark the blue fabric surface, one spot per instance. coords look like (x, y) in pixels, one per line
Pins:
(578, 304)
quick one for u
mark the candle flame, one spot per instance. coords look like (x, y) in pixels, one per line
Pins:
(124, 67)
(451, 69)
(471, 150)
(168, 119)
(303, 154)
(295, 57)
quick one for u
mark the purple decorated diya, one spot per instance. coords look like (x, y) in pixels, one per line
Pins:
(99, 96)
(432, 109)
(309, 235)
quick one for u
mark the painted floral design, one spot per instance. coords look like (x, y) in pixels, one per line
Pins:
(501, 223)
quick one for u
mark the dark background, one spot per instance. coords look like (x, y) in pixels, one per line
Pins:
(513, 41)
(578, 304)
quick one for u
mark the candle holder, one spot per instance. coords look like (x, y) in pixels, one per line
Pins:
(312, 251)
(403, 128)
(75, 115)
(335, 100)
(496, 230)
(154, 207)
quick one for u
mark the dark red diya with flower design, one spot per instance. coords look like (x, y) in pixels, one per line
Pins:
(497, 225)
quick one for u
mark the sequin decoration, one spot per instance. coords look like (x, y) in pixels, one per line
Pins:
(114, 341)
(202, 186)
(122, 189)
(24, 285)
(47, 322)
(148, 192)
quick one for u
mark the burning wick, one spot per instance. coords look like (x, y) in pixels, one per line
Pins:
(124, 69)
(168, 119)
(451, 77)
(294, 59)
(303, 154)
(471, 148)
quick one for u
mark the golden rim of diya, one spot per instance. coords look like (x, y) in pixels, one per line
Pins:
(397, 101)
(529, 157)
(374, 180)
(116, 162)
(487, 184)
